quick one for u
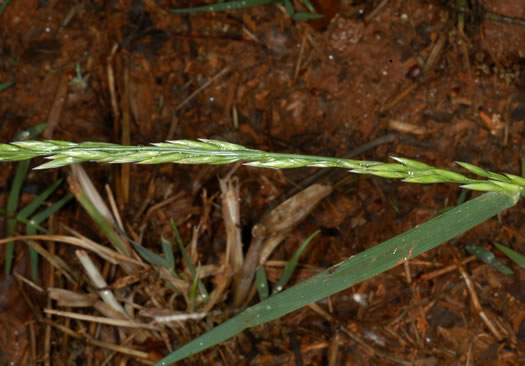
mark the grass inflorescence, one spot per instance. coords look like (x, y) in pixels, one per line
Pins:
(62, 153)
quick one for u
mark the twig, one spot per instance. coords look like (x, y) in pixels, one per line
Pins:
(104, 252)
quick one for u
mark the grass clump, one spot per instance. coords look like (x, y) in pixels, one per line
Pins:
(504, 191)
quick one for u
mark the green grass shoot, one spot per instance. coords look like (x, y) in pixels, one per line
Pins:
(202, 289)
(512, 254)
(98, 218)
(489, 258)
(261, 282)
(12, 205)
(292, 264)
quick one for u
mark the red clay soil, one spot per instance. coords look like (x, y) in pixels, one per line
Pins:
(401, 71)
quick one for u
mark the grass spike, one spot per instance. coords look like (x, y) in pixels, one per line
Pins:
(215, 152)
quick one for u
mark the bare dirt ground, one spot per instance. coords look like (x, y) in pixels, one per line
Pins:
(384, 77)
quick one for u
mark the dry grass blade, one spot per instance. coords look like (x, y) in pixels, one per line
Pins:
(72, 299)
(56, 261)
(103, 320)
(98, 281)
(104, 252)
(85, 192)
(232, 221)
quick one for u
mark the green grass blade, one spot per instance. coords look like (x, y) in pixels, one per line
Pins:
(25, 221)
(512, 254)
(355, 269)
(100, 220)
(228, 5)
(148, 255)
(34, 131)
(289, 7)
(31, 207)
(489, 258)
(462, 197)
(31, 229)
(261, 282)
(290, 266)
(5, 85)
(191, 267)
(12, 205)
(16, 187)
(168, 254)
(3, 6)
(193, 291)
(306, 16)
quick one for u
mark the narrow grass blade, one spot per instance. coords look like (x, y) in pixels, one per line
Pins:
(191, 267)
(225, 6)
(289, 7)
(193, 291)
(44, 215)
(12, 205)
(261, 282)
(31, 207)
(25, 221)
(354, 270)
(290, 266)
(512, 254)
(14, 194)
(148, 255)
(7, 84)
(3, 6)
(31, 229)
(99, 219)
(31, 132)
(488, 257)
(306, 16)
(462, 197)
(168, 254)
